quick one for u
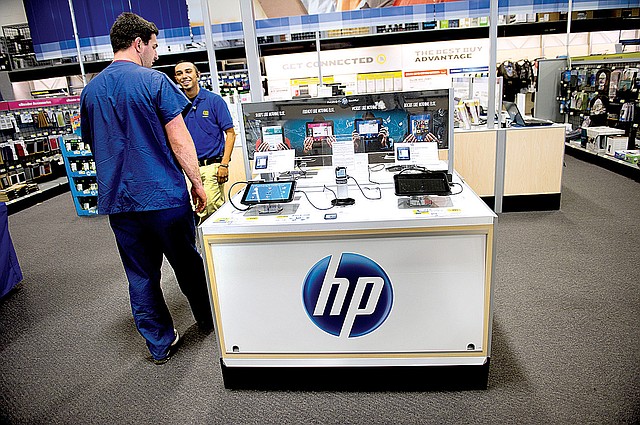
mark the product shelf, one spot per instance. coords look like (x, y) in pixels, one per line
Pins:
(85, 198)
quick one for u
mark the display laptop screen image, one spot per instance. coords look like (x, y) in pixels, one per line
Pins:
(516, 118)
(420, 125)
(273, 136)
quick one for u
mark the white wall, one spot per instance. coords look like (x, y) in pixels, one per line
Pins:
(12, 12)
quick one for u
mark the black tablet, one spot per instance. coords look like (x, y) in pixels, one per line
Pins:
(268, 192)
(368, 128)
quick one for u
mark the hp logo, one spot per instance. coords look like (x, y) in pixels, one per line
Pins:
(347, 297)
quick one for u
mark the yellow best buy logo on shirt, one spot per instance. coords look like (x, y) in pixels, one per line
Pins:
(205, 113)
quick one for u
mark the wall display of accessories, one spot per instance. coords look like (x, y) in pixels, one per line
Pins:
(602, 95)
(30, 137)
(231, 82)
(600, 100)
(17, 44)
(81, 171)
(517, 77)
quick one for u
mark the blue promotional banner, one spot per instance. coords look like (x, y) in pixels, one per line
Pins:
(52, 30)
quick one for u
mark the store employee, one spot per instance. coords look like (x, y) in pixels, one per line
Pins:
(211, 127)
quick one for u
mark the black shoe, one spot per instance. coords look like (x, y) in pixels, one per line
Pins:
(172, 349)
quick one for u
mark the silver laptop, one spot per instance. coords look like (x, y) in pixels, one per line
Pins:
(516, 118)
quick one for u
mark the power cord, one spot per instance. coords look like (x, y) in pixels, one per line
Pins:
(369, 188)
(230, 198)
(311, 203)
(376, 167)
(461, 188)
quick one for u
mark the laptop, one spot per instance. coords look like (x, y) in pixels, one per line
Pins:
(516, 118)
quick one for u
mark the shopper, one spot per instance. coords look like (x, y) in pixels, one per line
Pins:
(132, 119)
(211, 128)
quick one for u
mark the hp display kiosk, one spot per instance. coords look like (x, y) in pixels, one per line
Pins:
(365, 296)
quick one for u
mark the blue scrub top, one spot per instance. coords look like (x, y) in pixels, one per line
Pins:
(207, 120)
(123, 113)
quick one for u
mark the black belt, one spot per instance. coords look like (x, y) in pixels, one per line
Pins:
(209, 161)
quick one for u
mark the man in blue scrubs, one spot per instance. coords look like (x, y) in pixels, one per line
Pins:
(132, 119)
(211, 128)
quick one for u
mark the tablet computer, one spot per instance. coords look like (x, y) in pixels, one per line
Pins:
(420, 125)
(368, 128)
(319, 130)
(273, 136)
(268, 192)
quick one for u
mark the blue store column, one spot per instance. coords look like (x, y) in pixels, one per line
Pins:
(10, 273)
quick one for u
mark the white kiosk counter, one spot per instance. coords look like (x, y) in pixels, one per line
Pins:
(375, 287)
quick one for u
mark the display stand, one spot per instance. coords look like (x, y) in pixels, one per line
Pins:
(81, 171)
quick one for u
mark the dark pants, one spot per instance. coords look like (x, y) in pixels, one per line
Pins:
(142, 238)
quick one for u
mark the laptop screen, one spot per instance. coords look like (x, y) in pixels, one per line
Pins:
(514, 113)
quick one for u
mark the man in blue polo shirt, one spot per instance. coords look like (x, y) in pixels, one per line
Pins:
(211, 128)
(132, 119)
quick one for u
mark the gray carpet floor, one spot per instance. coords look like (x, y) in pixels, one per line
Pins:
(566, 332)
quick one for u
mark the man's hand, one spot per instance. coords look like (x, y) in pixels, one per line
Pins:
(383, 135)
(307, 144)
(199, 197)
(263, 147)
(222, 174)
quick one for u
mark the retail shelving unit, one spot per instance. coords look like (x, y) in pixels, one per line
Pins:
(81, 170)
(618, 76)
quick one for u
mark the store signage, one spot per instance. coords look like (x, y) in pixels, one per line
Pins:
(452, 54)
(332, 62)
(348, 297)
(39, 103)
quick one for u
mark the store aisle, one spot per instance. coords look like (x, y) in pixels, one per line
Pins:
(565, 335)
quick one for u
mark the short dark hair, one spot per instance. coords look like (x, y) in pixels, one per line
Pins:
(127, 27)
(195, 67)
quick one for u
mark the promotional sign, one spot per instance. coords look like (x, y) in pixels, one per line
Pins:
(333, 62)
(38, 103)
(373, 123)
(431, 65)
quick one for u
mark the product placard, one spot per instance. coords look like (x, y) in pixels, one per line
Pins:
(372, 123)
